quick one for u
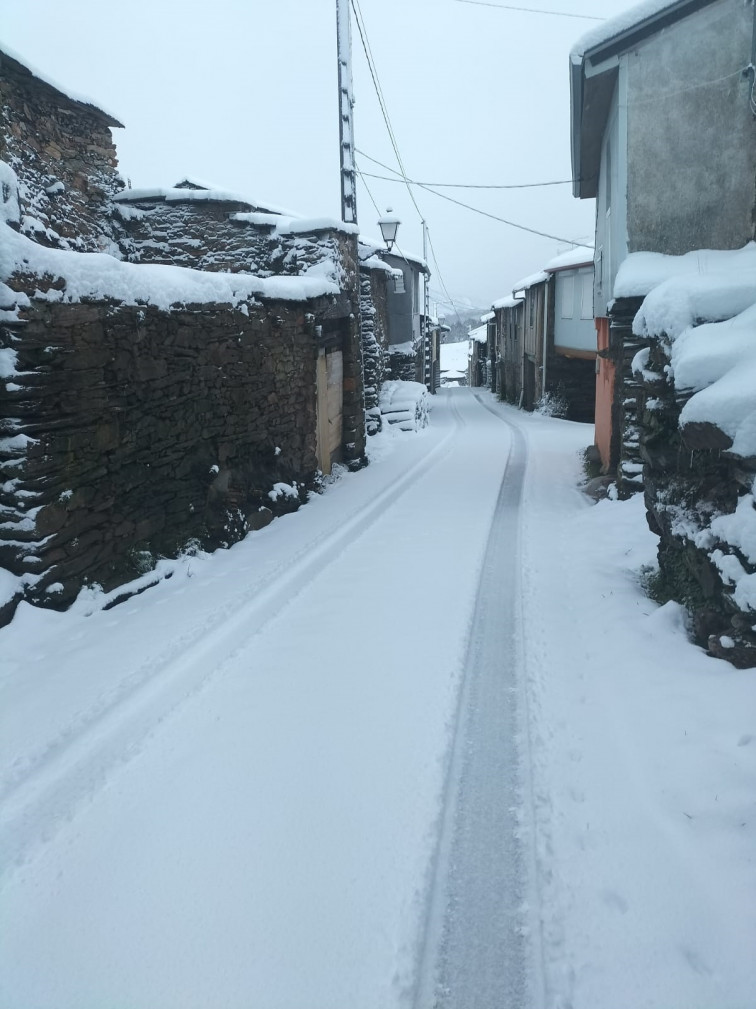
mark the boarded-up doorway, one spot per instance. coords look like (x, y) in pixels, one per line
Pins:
(330, 395)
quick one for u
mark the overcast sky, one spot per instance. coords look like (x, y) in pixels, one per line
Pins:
(242, 93)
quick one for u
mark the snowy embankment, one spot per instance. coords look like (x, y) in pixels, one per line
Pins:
(644, 764)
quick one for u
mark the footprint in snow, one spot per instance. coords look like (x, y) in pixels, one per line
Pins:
(614, 900)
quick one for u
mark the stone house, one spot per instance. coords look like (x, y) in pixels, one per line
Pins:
(184, 385)
(663, 139)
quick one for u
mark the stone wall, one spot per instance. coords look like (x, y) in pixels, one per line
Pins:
(218, 235)
(63, 154)
(128, 431)
(691, 481)
(373, 322)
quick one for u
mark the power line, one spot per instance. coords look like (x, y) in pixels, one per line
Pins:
(440, 277)
(530, 10)
(379, 92)
(367, 190)
(392, 136)
(457, 185)
(467, 206)
(502, 220)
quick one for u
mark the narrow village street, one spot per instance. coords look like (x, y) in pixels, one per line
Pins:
(385, 752)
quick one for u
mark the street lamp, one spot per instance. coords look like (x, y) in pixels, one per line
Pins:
(389, 225)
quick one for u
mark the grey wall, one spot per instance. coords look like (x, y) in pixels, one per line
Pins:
(403, 309)
(691, 136)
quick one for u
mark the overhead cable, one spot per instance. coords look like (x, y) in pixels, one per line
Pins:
(456, 185)
(494, 217)
(531, 10)
(476, 210)
(355, 4)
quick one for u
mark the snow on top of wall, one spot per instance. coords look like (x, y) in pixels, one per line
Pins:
(706, 308)
(307, 224)
(719, 361)
(480, 334)
(296, 225)
(581, 255)
(178, 195)
(615, 26)
(508, 302)
(531, 281)
(100, 276)
(642, 271)
(50, 82)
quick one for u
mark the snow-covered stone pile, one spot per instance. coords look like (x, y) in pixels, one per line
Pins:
(405, 405)
(698, 433)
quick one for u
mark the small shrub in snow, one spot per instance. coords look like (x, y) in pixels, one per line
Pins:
(552, 404)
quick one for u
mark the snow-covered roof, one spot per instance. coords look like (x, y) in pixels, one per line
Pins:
(480, 334)
(642, 16)
(508, 302)
(704, 303)
(379, 249)
(581, 255)
(487, 317)
(530, 281)
(17, 64)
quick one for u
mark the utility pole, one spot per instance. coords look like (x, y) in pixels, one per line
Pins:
(346, 121)
(427, 343)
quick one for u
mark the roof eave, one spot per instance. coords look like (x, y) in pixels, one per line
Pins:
(629, 37)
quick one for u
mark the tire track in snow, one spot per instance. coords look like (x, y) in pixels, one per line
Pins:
(76, 766)
(478, 949)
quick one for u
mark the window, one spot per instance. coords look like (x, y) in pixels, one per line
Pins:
(399, 283)
(586, 299)
(568, 296)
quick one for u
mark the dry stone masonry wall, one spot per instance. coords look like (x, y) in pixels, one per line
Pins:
(129, 431)
(373, 315)
(63, 154)
(697, 494)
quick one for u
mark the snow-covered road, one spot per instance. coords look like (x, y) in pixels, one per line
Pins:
(412, 744)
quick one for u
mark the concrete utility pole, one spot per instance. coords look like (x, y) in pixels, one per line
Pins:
(427, 343)
(346, 122)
